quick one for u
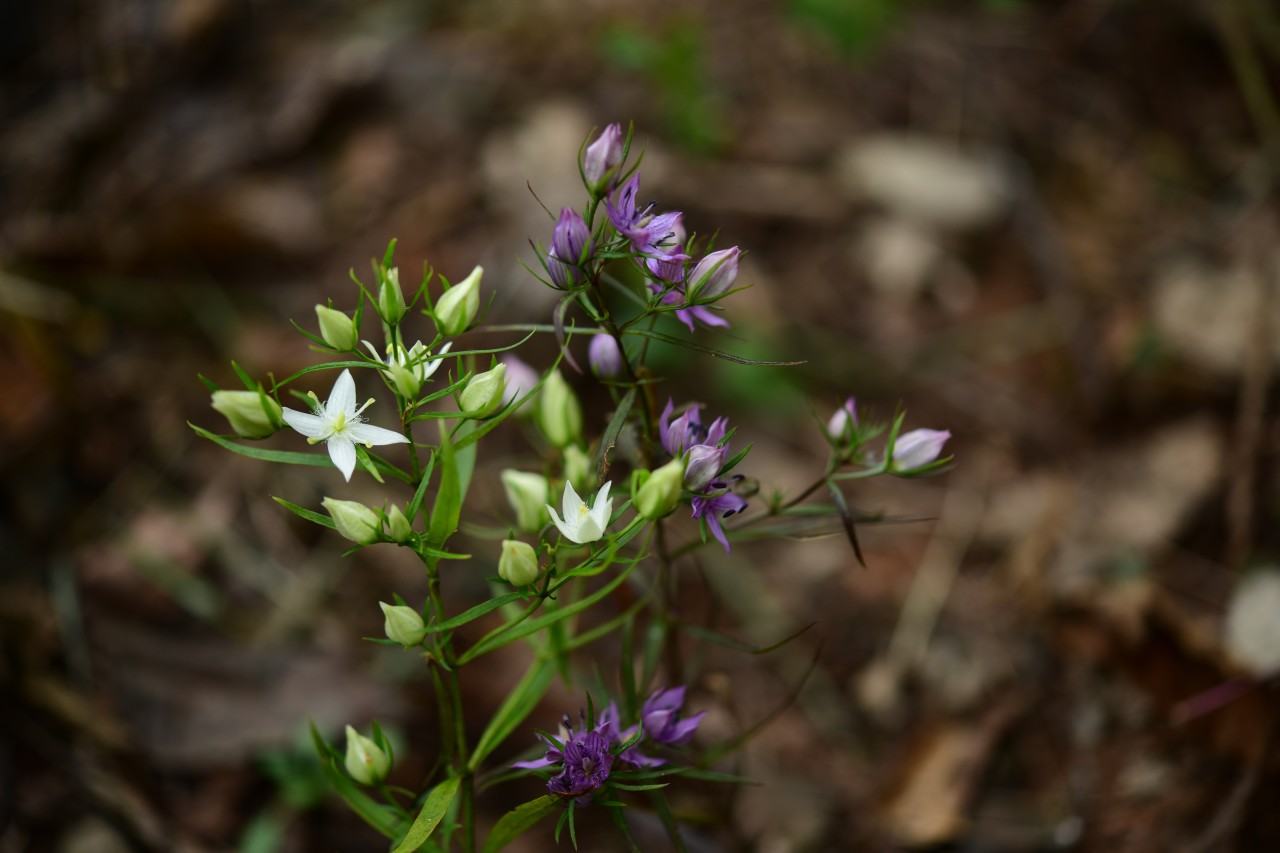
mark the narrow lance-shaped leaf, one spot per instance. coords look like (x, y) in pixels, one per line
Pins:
(519, 820)
(433, 810)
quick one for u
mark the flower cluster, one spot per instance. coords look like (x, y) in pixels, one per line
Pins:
(655, 240)
(706, 449)
(586, 755)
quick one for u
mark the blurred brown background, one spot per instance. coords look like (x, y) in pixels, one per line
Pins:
(1047, 226)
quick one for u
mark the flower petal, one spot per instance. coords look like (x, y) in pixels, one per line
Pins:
(343, 396)
(311, 426)
(343, 454)
(571, 503)
(370, 434)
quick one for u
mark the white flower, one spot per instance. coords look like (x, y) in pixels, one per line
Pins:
(582, 524)
(338, 423)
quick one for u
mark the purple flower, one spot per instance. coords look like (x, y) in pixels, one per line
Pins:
(649, 235)
(713, 275)
(713, 507)
(918, 448)
(660, 717)
(586, 759)
(684, 432)
(605, 356)
(602, 157)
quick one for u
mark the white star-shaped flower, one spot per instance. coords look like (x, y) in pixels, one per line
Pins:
(582, 524)
(338, 423)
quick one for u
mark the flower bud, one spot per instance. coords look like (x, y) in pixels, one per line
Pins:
(252, 414)
(483, 394)
(404, 378)
(660, 493)
(403, 624)
(337, 329)
(602, 157)
(578, 468)
(840, 421)
(528, 494)
(518, 564)
(559, 412)
(391, 304)
(605, 356)
(918, 448)
(713, 275)
(457, 307)
(354, 520)
(366, 762)
(702, 465)
(398, 527)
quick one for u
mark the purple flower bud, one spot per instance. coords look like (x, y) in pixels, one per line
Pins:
(605, 356)
(570, 237)
(660, 718)
(713, 275)
(602, 156)
(703, 465)
(918, 448)
(839, 422)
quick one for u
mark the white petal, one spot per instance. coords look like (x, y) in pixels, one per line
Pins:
(572, 504)
(601, 508)
(309, 425)
(370, 434)
(343, 396)
(343, 454)
(431, 367)
(569, 532)
(588, 531)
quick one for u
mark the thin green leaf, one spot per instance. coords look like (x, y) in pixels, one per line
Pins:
(654, 787)
(287, 457)
(315, 368)
(514, 710)
(611, 432)
(309, 515)
(516, 822)
(380, 817)
(477, 611)
(433, 810)
(620, 821)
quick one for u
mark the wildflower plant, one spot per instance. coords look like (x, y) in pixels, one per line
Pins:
(626, 486)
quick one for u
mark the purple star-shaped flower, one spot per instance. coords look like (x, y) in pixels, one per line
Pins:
(649, 235)
(585, 759)
(713, 507)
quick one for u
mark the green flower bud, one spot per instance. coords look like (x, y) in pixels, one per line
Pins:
(337, 329)
(457, 307)
(398, 527)
(403, 624)
(483, 394)
(659, 494)
(528, 494)
(252, 414)
(366, 762)
(518, 564)
(578, 468)
(391, 304)
(354, 520)
(559, 415)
